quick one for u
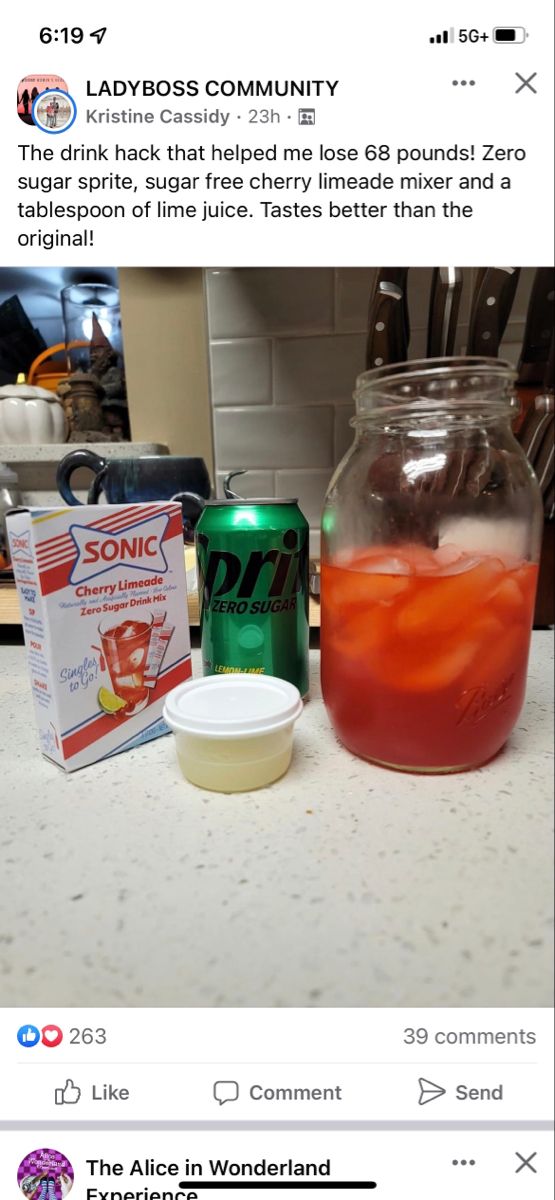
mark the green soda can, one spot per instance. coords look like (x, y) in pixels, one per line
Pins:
(252, 560)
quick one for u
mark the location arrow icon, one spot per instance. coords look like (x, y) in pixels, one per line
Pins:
(429, 1091)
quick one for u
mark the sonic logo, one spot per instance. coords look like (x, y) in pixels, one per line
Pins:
(138, 547)
(20, 546)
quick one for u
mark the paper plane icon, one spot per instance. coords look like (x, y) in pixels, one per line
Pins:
(429, 1091)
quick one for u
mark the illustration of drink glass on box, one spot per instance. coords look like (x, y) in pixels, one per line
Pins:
(104, 607)
(133, 652)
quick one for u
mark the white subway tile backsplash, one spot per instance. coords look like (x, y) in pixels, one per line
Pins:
(286, 347)
(273, 437)
(318, 370)
(274, 300)
(309, 487)
(250, 485)
(353, 288)
(241, 371)
(344, 434)
(314, 543)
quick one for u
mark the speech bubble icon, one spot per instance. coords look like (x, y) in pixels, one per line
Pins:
(226, 1091)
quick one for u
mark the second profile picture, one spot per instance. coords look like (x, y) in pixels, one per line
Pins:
(45, 1174)
(44, 101)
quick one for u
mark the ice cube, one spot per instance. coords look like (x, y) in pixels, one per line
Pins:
(127, 682)
(122, 631)
(130, 629)
(464, 562)
(507, 539)
(440, 670)
(386, 566)
(136, 657)
(124, 681)
(508, 597)
(447, 554)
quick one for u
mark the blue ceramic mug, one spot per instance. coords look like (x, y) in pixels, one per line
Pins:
(138, 480)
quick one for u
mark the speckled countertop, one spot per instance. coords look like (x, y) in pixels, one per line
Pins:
(342, 884)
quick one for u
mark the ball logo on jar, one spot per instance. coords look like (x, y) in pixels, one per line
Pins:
(476, 703)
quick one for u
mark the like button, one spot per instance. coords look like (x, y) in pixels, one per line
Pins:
(70, 1094)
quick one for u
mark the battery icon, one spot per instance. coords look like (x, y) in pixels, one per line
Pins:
(509, 34)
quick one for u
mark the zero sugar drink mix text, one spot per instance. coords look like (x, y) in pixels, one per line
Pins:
(431, 538)
(103, 598)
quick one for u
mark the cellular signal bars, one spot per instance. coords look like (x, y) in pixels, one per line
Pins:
(447, 35)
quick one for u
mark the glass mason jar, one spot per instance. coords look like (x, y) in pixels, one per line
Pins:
(92, 324)
(431, 536)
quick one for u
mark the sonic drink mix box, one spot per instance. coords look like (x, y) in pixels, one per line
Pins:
(104, 602)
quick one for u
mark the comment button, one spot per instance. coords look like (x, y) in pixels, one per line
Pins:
(226, 1091)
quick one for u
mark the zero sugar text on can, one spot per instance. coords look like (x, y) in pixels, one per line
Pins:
(253, 588)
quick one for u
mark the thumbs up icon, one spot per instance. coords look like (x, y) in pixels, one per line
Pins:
(70, 1094)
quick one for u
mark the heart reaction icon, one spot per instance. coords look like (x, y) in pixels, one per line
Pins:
(52, 1036)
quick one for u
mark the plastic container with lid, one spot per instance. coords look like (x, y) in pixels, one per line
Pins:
(234, 733)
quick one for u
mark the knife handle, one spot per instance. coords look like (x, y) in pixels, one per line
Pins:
(385, 342)
(490, 310)
(539, 327)
(398, 276)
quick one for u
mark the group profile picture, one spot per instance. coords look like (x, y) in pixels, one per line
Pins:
(45, 1175)
(44, 101)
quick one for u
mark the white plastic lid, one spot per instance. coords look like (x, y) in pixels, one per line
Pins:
(232, 706)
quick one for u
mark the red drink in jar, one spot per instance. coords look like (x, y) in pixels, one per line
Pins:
(125, 648)
(424, 653)
(431, 535)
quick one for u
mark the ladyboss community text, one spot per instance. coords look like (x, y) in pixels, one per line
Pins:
(213, 87)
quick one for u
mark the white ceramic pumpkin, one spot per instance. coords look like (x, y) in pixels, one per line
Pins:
(30, 416)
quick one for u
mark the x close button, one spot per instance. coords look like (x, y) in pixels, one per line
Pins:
(526, 1162)
(526, 83)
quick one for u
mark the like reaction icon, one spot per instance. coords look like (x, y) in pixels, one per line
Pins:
(28, 1036)
(52, 1036)
(69, 1094)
